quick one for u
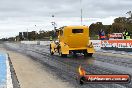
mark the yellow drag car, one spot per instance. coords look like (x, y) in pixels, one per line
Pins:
(72, 39)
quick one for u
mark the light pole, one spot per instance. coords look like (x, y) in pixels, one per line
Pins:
(53, 22)
(35, 27)
(27, 34)
(54, 25)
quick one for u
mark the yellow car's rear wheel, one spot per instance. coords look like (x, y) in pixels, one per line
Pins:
(90, 54)
(60, 53)
(86, 54)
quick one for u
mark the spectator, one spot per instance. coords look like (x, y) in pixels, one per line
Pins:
(101, 35)
(50, 38)
(126, 34)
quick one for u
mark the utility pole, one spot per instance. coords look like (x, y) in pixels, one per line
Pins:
(27, 34)
(81, 11)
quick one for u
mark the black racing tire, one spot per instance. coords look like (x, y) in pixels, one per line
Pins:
(82, 80)
(60, 53)
(63, 55)
(88, 54)
(51, 52)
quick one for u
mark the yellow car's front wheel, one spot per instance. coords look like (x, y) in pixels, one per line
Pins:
(51, 52)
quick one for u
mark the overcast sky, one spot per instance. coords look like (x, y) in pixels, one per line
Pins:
(23, 15)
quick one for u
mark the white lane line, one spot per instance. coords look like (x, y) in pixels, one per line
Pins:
(9, 79)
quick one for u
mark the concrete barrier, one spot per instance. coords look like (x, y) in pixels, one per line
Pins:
(123, 45)
(117, 45)
(5, 74)
(29, 42)
(44, 42)
(36, 42)
(96, 44)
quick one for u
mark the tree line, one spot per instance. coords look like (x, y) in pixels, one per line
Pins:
(117, 27)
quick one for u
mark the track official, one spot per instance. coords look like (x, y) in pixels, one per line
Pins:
(126, 34)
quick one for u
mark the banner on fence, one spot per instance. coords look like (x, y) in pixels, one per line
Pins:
(117, 43)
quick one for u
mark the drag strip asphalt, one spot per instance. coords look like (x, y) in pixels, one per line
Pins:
(67, 68)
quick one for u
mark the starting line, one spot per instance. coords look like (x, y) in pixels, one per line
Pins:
(5, 74)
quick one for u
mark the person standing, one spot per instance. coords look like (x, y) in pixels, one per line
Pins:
(126, 34)
(51, 38)
(101, 35)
